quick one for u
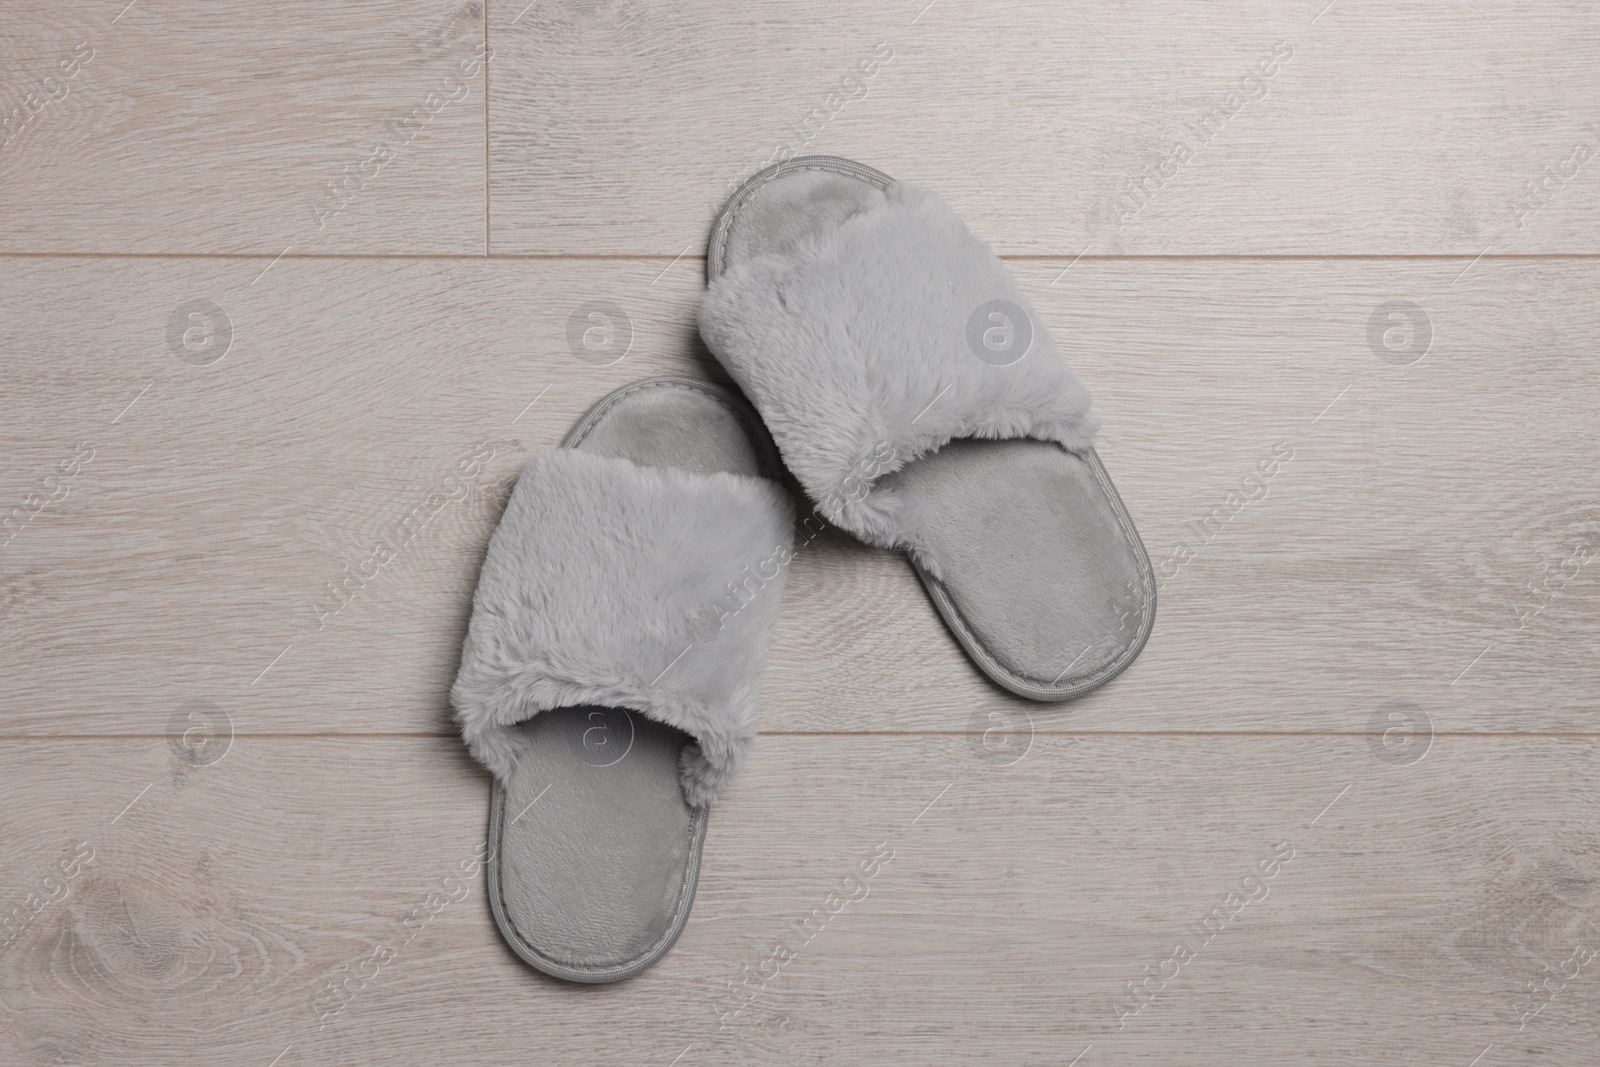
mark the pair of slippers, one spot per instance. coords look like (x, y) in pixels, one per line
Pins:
(628, 596)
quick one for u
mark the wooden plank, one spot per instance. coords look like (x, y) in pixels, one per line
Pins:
(1389, 558)
(211, 907)
(623, 129)
(189, 128)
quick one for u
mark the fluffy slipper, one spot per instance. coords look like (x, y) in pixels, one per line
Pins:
(920, 401)
(609, 675)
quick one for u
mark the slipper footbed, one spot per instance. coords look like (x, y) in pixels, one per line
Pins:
(598, 852)
(1043, 578)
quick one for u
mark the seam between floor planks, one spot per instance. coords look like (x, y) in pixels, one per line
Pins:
(1453, 735)
(488, 200)
(657, 257)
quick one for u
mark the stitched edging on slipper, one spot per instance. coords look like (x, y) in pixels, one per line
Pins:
(1035, 689)
(530, 955)
(771, 467)
(1032, 688)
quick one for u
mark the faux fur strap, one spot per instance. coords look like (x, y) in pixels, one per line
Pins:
(648, 588)
(880, 339)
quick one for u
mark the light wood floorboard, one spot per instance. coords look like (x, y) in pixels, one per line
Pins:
(1384, 661)
(1020, 901)
(1382, 129)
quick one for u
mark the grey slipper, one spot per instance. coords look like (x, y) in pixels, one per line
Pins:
(920, 401)
(611, 666)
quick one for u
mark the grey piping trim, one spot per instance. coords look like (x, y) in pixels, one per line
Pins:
(1079, 684)
(771, 465)
(836, 164)
(699, 818)
(1032, 688)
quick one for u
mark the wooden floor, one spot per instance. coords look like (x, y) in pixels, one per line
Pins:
(271, 271)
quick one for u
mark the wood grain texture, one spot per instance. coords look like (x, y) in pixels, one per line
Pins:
(1018, 902)
(1389, 558)
(244, 500)
(195, 127)
(1382, 129)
